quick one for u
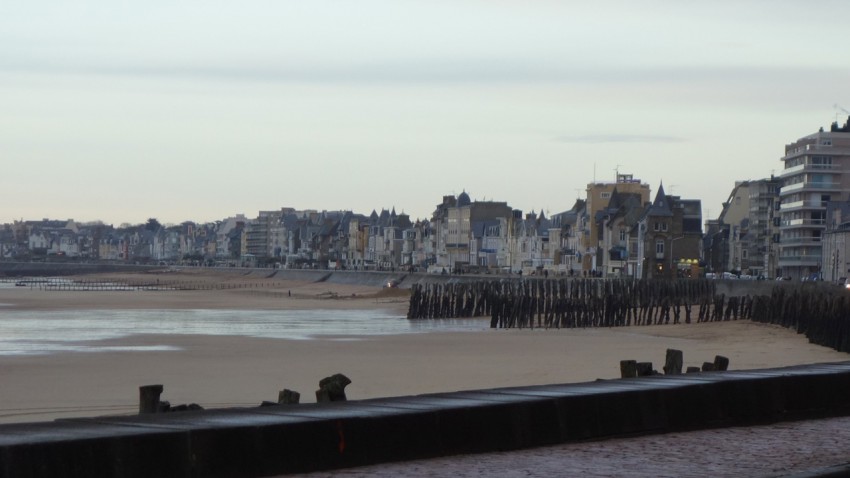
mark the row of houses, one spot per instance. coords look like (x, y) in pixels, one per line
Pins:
(794, 224)
(614, 231)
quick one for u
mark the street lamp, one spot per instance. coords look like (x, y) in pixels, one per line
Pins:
(673, 240)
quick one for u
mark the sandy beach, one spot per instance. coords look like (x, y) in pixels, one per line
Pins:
(222, 371)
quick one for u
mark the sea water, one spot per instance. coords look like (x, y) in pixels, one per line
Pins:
(43, 332)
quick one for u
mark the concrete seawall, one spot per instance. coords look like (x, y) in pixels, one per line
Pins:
(367, 278)
(295, 438)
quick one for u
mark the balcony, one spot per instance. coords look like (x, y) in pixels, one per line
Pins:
(799, 261)
(796, 241)
(801, 168)
(802, 205)
(810, 186)
(803, 223)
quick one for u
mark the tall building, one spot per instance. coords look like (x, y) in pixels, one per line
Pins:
(817, 171)
(764, 226)
(598, 198)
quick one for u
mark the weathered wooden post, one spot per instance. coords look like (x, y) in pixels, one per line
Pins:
(287, 396)
(628, 368)
(332, 389)
(721, 363)
(673, 362)
(149, 398)
(644, 369)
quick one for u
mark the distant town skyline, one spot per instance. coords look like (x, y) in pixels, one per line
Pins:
(204, 110)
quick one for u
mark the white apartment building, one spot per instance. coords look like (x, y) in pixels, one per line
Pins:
(817, 171)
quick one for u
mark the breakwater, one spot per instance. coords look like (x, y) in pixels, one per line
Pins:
(274, 440)
(564, 303)
(820, 311)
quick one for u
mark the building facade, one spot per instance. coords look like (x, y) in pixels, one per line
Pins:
(816, 171)
(598, 198)
(763, 231)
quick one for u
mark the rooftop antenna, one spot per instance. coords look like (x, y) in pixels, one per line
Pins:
(578, 193)
(839, 108)
(617, 172)
(671, 187)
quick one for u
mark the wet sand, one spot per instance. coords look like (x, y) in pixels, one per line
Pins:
(223, 371)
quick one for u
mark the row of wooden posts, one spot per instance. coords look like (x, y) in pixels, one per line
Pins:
(331, 389)
(822, 314)
(567, 302)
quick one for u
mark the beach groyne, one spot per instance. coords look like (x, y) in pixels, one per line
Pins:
(273, 440)
(819, 311)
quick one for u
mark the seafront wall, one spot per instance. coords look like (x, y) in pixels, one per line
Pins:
(280, 439)
(368, 278)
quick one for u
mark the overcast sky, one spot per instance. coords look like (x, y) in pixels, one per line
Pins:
(198, 110)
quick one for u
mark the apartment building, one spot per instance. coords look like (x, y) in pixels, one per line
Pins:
(816, 171)
(459, 224)
(763, 234)
(598, 197)
(726, 242)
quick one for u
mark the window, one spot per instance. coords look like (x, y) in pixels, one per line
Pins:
(605, 195)
(656, 226)
(659, 247)
(664, 226)
(822, 162)
(622, 235)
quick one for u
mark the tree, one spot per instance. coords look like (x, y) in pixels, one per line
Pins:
(153, 225)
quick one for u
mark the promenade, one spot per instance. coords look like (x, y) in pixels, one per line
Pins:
(798, 449)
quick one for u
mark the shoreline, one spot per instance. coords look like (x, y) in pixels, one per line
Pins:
(223, 370)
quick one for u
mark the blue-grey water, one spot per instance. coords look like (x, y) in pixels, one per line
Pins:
(43, 332)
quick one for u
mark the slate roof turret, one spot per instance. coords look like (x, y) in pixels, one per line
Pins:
(661, 205)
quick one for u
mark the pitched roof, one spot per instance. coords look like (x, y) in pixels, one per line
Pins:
(661, 205)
